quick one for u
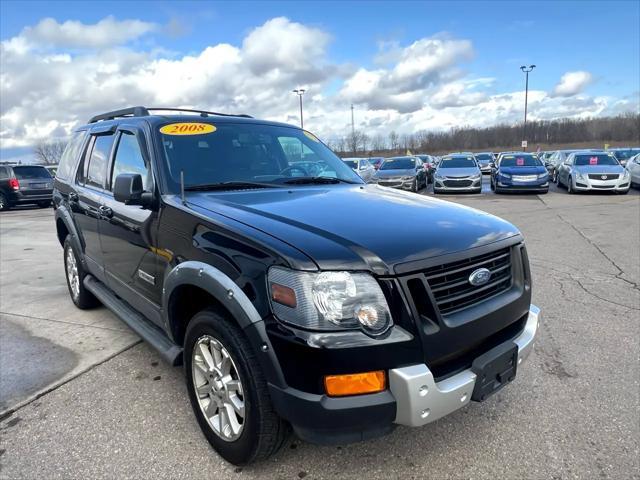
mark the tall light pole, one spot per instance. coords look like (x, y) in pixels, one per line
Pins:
(300, 92)
(526, 71)
(353, 131)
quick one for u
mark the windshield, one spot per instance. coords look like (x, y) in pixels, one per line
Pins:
(457, 162)
(596, 159)
(246, 152)
(625, 154)
(520, 161)
(398, 163)
(483, 156)
(31, 172)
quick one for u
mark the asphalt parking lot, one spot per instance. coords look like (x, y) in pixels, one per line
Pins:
(83, 398)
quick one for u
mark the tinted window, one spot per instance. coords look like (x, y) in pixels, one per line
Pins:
(351, 163)
(97, 171)
(398, 163)
(4, 172)
(624, 154)
(68, 159)
(520, 161)
(457, 162)
(129, 159)
(595, 159)
(31, 172)
(235, 152)
(483, 156)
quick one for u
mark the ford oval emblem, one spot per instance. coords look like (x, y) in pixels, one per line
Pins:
(479, 277)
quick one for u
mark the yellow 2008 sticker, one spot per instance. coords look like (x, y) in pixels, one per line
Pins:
(187, 128)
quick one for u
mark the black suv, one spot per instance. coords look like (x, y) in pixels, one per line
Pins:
(295, 294)
(25, 184)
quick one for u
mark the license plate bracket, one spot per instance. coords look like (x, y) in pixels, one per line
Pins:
(494, 370)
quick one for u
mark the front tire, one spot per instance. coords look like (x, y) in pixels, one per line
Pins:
(80, 296)
(570, 189)
(228, 391)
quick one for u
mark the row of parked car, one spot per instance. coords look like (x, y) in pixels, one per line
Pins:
(577, 170)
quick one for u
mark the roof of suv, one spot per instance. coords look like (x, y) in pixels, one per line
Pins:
(137, 114)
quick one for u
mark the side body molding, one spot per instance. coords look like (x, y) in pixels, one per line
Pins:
(219, 285)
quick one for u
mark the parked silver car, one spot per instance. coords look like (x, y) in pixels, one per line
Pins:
(589, 171)
(406, 173)
(457, 173)
(362, 167)
(624, 154)
(485, 159)
(633, 167)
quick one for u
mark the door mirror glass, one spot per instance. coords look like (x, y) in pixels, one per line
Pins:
(128, 188)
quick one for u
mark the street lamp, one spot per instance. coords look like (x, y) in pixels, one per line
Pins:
(526, 71)
(300, 92)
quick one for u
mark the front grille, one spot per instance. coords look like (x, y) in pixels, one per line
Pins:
(602, 186)
(450, 285)
(608, 176)
(457, 183)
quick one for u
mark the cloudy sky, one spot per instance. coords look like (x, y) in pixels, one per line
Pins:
(405, 66)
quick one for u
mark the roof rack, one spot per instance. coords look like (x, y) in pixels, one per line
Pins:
(144, 112)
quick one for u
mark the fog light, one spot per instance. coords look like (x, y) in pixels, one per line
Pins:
(355, 383)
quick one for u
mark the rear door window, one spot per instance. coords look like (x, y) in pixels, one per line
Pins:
(97, 170)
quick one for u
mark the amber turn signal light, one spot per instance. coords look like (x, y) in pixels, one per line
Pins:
(284, 295)
(355, 383)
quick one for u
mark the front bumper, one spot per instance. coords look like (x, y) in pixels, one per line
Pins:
(396, 183)
(585, 184)
(413, 398)
(537, 186)
(440, 186)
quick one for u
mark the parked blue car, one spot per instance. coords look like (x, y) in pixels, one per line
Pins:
(519, 172)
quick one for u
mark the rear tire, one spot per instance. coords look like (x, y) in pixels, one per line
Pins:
(258, 432)
(4, 203)
(570, 189)
(80, 296)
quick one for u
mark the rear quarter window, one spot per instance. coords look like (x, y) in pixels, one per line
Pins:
(70, 155)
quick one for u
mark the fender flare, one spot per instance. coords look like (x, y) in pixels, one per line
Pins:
(217, 284)
(65, 217)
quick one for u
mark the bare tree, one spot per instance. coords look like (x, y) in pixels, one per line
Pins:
(49, 152)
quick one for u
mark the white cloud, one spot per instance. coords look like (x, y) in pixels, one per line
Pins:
(422, 85)
(107, 32)
(572, 83)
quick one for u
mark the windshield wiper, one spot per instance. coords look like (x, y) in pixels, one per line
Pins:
(230, 186)
(311, 180)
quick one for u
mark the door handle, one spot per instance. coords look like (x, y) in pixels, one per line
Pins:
(73, 197)
(105, 211)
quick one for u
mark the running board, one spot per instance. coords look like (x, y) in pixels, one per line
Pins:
(151, 334)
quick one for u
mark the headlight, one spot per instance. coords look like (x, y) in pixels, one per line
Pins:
(580, 176)
(329, 300)
(543, 176)
(625, 173)
(505, 175)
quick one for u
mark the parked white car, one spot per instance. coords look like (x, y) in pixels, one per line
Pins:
(362, 167)
(593, 170)
(633, 167)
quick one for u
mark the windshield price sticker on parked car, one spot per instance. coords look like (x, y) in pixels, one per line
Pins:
(187, 128)
(593, 161)
(520, 161)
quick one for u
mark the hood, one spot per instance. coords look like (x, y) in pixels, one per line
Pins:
(409, 172)
(599, 169)
(458, 172)
(523, 170)
(354, 227)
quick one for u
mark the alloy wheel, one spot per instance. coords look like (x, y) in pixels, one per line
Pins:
(72, 273)
(218, 388)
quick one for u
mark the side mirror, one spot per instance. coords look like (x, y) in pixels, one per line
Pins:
(128, 189)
